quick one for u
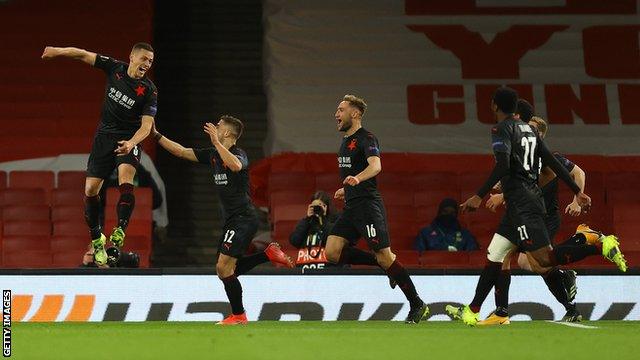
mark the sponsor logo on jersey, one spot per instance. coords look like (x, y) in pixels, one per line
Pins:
(344, 161)
(220, 179)
(122, 99)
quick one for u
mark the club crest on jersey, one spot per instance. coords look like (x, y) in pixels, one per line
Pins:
(344, 161)
(352, 144)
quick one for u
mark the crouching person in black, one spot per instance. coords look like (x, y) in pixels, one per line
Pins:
(310, 234)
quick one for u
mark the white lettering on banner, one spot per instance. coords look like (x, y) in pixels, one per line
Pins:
(428, 77)
(319, 297)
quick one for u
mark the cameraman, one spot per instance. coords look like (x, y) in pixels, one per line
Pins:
(310, 234)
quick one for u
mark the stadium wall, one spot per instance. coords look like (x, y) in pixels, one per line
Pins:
(295, 297)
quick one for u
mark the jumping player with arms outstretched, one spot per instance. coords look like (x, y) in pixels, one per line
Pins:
(128, 111)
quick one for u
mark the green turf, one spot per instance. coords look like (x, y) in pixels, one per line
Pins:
(612, 340)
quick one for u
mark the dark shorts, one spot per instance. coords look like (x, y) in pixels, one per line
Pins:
(524, 223)
(552, 222)
(237, 233)
(102, 160)
(367, 219)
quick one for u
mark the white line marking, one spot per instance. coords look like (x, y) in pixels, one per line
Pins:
(581, 326)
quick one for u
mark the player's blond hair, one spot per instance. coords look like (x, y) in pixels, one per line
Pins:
(356, 102)
(541, 124)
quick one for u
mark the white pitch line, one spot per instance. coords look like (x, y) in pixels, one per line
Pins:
(581, 326)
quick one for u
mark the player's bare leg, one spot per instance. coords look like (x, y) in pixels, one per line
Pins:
(225, 268)
(126, 203)
(92, 188)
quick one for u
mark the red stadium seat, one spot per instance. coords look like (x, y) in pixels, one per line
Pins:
(329, 182)
(64, 212)
(22, 197)
(67, 259)
(433, 197)
(67, 197)
(26, 259)
(137, 227)
(403, 234)
(282, 230)
(20, 243)
(292, 181)
(394, 180)
(437, 181)
(31, 180)
(27, 228)
(401, 213)
(288, 212)
(71, 180)
(137, 243)
(445, 259)
(70, 243)
(395, 197)
(3, 180)
(289, 198)
(628, 233)
(408, 258)
(26, 212)
(70, 228)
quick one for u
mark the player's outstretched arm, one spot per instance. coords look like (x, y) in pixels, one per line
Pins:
(85, 56)
(373, 169)
(578, 175)
(547, 157)
(174, 148)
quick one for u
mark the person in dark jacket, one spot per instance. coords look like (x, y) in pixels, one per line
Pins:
(310, 234)
(445, 232)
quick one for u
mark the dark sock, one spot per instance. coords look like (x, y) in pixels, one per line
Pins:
(125, 204)
(354, 256)
(502, 292)
(234, 293)
(566, 254)
(247, 263)
(575, 239)
(553, 279)
(400, 275)
(487, 280)
(92, 215)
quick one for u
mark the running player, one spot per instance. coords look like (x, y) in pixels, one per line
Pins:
(130, 105)
(230, 167)
(549, 186)
(519, 153)
(364, 214)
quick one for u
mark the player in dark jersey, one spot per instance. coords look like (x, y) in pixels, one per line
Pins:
(128, 112)
(364, 214)
(519, 153)
(230, 169)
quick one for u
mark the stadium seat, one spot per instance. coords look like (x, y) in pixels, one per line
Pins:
(137, 243)
(70, 228)
(70, 243)
(142, 209)
(27, 228)
(26, 259)
(24, 243)
(32, 180)
(67, 197)
(445, 259)
(426, 214)
(302, 182)
(71, 180)
(25, 212)
(67, 259)
(408, 258)
(395, 197)
(433, 197)
(282, 230)
(329, 182)
(137, 227)
(289, 198)
(65, 212)
(394, 180)
(403, 234)
(22, 197)
(401, 213)
(436, 181)
(3, 180)
(288, 212)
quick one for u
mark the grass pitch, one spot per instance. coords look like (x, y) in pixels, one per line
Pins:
(616, 340)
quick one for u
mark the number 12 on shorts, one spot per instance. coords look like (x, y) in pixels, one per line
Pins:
(228, 236)
(523, 232)
(371, 231)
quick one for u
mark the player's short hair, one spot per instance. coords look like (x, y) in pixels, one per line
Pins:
(142, 45)
(524, 109)
(236, 125)
(506, 99)
(356, 102)
(541, 124)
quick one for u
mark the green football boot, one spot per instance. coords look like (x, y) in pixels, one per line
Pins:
(117, 237)
(99, 254)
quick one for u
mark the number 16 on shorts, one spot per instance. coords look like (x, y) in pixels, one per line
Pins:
(371, 231)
